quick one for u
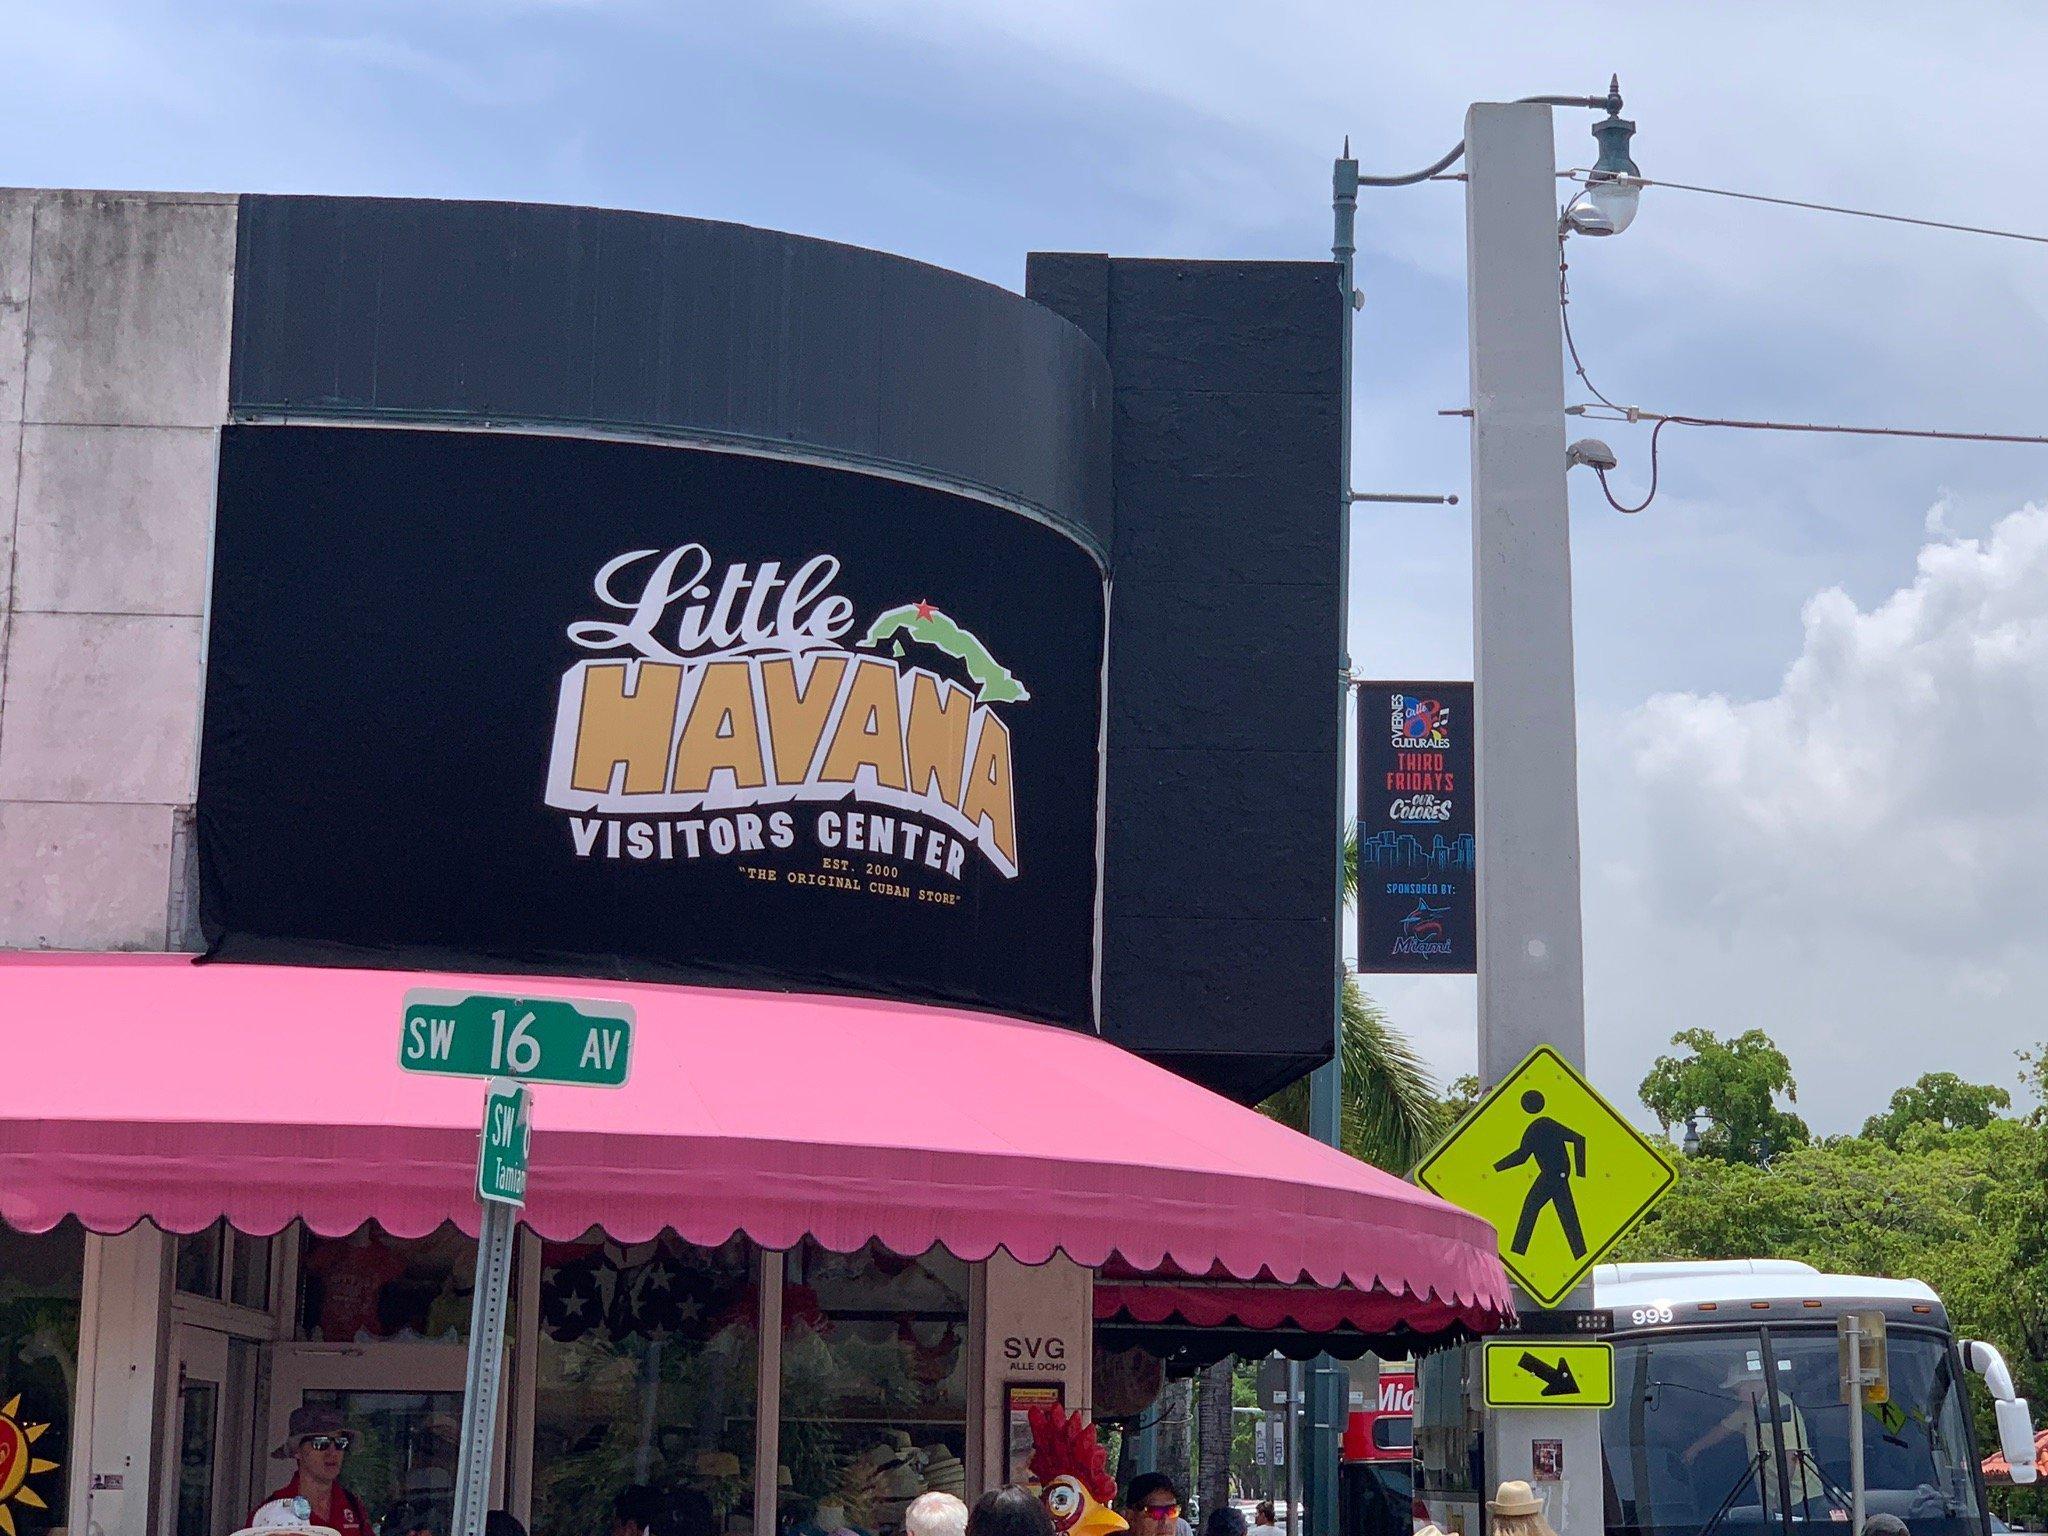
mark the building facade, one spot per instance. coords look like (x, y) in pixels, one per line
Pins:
(416, 589)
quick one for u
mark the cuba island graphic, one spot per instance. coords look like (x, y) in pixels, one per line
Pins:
(921, 621)
(744, 710)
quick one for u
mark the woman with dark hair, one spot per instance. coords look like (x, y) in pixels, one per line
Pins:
(1224, 1520)
(1008, 1511)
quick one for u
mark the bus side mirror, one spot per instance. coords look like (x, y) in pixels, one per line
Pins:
(2016, 1438)
(2015, 1422)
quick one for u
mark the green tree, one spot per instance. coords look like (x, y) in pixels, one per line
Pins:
(1215, 1396)
(1459, 1098)
(1391, 1114)
(1736, 1083)
(1962, 1206)
(1940, 1100)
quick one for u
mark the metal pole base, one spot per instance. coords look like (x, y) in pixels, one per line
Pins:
(486, 1372)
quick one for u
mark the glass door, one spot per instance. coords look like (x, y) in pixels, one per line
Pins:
(402, 1403)
(206, 1436)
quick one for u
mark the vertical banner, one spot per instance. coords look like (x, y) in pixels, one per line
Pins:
(1418, 907)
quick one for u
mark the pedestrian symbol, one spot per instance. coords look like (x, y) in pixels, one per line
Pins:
(1559, 1153)
(1556, 1169)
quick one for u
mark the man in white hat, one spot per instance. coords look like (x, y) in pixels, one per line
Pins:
(317, 1437)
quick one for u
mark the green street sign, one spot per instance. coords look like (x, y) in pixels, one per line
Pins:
(508, 1136)
(532, 1039)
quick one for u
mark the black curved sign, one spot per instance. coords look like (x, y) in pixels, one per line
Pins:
(591, 707)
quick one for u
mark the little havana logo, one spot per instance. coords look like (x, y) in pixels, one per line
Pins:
(739, 689)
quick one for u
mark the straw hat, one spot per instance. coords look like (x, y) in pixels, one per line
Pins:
(1515, 1497)
(285, 1517)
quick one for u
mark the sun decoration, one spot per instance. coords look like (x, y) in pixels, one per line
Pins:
(18, 1464)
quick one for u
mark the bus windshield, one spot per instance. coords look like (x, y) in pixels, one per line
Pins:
(1744, 1433)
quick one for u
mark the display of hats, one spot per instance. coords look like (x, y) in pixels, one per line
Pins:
(943, 1471)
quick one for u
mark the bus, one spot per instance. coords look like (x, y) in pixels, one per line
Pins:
(1728, 1417)
(1376, 1485)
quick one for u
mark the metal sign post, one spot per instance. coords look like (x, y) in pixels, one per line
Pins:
(486, 1370)
(1865, 1380)
(1853, 1396)
(587, 1044)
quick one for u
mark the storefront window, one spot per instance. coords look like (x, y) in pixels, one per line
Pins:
(645, 1375)
(404, 1451)
(39, 1284)
(225, 1265)
(874, 1386)
(1449, 1430)
(368, 1286)
(197, 1265)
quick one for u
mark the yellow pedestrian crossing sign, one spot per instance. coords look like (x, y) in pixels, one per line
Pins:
(1556, 1169)
(1529, 1373)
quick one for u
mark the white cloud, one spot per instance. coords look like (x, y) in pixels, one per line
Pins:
(1858, 861)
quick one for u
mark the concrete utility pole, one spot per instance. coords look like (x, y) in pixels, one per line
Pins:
(1531, 972)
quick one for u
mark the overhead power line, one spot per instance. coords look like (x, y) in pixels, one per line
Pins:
(1634, 414)
(1631, 414)
(1854, 213)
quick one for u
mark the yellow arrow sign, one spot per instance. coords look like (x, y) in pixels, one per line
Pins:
(1556, 1168)
(1528, 1373)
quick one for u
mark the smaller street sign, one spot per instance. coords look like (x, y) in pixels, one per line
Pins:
(508, 1137)
(574, 1041)
(1532, 1373)
(1869, 1367)
(1559, 1171)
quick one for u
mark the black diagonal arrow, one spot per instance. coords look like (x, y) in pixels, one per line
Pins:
(1558, 1380)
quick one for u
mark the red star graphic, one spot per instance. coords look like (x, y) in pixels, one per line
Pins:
(924, 609)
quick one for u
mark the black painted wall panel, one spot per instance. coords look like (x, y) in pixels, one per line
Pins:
(1220, 942)
(395, 309)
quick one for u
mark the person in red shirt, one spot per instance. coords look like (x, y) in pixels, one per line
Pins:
(317, 1437)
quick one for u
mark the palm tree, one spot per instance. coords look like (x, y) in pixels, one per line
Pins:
(1391, 1112)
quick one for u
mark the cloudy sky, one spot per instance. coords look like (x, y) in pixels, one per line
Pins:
(1813, 676)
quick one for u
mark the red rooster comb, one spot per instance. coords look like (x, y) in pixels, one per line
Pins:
(1064, 1445)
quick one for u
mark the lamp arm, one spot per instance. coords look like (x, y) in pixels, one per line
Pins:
(1610, 103)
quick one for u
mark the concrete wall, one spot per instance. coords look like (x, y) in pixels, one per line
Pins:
(114, 328)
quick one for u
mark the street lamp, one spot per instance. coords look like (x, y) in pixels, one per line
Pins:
(1690, 1144)
(1614, 186)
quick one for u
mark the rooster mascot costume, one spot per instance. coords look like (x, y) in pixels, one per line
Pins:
(1073, 1477)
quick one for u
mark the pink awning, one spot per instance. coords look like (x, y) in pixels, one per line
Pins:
(148, 1086)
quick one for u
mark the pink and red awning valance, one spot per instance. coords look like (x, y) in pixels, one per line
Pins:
(152, 1087)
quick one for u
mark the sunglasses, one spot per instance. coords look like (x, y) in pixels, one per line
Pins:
(329, 1442)
(1159, 1511)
